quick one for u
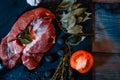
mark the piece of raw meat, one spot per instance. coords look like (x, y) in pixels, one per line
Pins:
(41, 31)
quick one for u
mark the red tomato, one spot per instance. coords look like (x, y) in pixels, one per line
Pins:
(82, 61)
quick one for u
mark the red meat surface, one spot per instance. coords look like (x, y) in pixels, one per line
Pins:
(39, 23)
(10, 52)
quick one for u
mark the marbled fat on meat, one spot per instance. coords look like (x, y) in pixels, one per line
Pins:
(39, 22)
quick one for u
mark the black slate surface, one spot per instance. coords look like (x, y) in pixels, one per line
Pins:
(10, 11)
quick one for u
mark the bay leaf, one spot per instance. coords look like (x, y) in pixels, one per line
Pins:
(88, 14)
(75, 30)
(79, 19)
(86, 18)
(82, 38)
(68, 21)
(78, 11)
(66, 4)
(75, 6)
(71, 22)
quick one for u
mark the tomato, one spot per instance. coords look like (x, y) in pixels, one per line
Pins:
(82, 61)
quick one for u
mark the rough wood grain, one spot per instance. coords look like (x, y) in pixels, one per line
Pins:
(108, 1)
(107, 28)
(107, 66)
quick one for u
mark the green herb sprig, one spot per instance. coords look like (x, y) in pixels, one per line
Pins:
(70, 23)
(64, 70)
(24, 37)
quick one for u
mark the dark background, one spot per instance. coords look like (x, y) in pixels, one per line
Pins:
(10, 11)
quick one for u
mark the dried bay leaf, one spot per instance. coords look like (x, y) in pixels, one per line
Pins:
(75, 30)
(64, 25)
(82, 38)
(68, 21)
(79, 19)
(71, 22)
(75, 6)
(88, 14)
(86, 18)
(66, 5)
(78, 11)
(74, 15)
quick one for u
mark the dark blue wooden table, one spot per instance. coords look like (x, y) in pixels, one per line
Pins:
(106, 44)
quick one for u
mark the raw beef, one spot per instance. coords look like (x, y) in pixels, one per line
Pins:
(39, 23)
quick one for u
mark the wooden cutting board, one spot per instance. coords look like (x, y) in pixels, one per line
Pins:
(108, 1)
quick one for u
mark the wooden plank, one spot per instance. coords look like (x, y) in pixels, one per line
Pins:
(108, 1)
(107, 66)
(106, 26)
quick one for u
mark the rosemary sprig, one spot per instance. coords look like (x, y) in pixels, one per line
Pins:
(64, 70)
(57, 70)
(61, 69)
